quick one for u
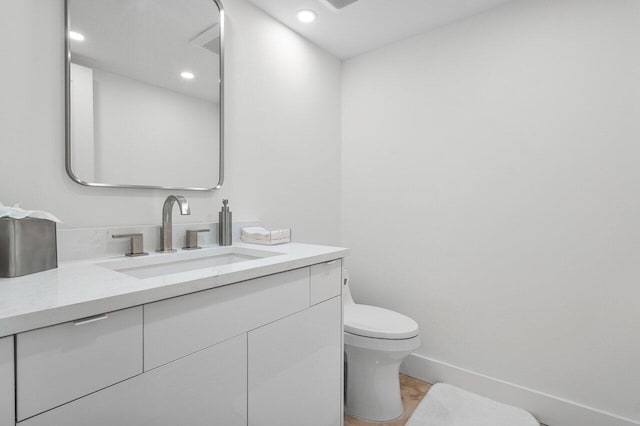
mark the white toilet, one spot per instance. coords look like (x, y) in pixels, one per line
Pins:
(376, 340)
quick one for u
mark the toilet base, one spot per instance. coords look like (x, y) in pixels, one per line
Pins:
(372, 376)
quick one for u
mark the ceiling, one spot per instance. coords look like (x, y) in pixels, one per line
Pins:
(368, 24)
(151, 41)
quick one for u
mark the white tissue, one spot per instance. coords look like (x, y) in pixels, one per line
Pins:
(16, 212)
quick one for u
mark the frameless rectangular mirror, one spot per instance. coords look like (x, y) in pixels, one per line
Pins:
(144, 93)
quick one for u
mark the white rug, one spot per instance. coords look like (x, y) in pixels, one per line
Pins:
(447, 405)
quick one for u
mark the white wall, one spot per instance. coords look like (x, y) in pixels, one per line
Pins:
(283, 129)
(491, 191)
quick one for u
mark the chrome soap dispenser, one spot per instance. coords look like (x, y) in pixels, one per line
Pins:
(224, 225)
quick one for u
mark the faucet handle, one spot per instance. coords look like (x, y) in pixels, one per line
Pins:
(136, 244)
(192, 239)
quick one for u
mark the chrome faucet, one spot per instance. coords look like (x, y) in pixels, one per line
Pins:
(166, 243)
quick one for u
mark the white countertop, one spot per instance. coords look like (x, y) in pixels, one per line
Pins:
(85, 288)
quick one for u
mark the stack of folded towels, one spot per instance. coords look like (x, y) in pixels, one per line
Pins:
(259, 235)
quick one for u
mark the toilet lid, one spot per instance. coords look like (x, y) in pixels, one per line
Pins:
(371, 321)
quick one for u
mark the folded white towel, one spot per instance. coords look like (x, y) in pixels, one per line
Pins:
(255, 230)
(267, 242)
(260, 235)
(280, 234)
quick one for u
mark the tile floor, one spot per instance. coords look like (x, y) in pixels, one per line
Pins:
(413, 390)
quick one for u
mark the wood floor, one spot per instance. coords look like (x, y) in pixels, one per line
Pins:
(413, 390)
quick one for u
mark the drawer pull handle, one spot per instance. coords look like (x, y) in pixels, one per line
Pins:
(331, 263)
(90, 319)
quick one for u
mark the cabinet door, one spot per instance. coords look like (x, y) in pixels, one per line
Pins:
(204, 388)
(295, 369)
(7, 415)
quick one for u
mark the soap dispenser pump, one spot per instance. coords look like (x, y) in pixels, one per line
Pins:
(224, 225)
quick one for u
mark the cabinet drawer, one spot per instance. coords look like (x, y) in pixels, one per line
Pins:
(326, 281)
(203, 389)
(60, 363)
(7, 417)
(183, 325)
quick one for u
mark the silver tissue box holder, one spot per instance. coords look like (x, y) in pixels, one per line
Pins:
(27, 246)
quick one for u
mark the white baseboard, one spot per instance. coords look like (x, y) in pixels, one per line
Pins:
(548, 409)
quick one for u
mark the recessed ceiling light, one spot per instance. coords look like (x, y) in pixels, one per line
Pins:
(187, 75)
(76, 36)
(307, 16)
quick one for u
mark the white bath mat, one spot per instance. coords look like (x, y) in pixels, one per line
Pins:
(447, 405)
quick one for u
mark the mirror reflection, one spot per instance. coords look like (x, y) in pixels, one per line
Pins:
(144, 93)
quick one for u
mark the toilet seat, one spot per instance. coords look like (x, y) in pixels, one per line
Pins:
(383, 345)
(379, 323)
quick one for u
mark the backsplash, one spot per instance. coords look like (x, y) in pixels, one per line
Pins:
(91, 243)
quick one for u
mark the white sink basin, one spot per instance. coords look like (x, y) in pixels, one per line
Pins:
(165, 264)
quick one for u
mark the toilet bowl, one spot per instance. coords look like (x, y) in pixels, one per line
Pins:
(376, 340)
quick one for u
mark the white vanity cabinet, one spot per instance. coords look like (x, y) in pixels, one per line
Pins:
(265, 351)
(7, 415)
(294, 369)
